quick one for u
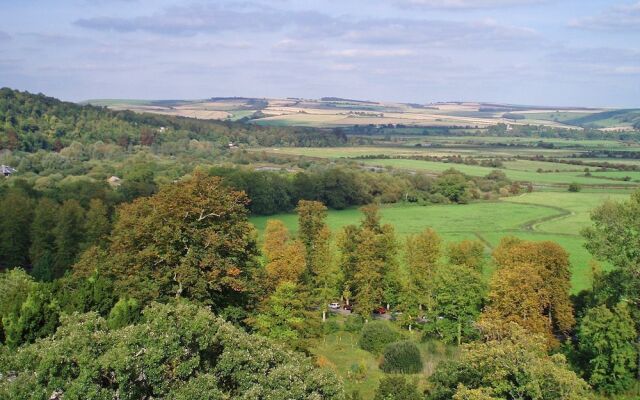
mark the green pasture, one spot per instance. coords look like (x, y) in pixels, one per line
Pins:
(539, 216)
(533, 166)
(578, 205)
(553, 178)
(561, 117)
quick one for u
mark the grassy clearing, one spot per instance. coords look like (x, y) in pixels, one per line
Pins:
(340, 352)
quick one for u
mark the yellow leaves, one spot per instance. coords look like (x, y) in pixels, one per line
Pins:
(518, 294)
(468, 253)
(286, 258)
(551, 262)
(276, 236)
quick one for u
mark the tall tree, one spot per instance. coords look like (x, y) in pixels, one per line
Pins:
(368, 277)
(192, 239)
(614, 238)
(324, 274)
(311, 220)
(285, 258)
(553, 265)
(468, 253)
(459, 296)
(422, 252)
(16, 214)
(276, 237)
(97, 225)
(369, 261)
(288, 266)
(69, 232)
(518, 294)
(283, 317)
(605, 344)
(43, 239)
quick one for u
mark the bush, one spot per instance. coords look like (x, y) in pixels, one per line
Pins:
(376, 335)
(402, 357)
(330, 326)
(574, 187)
(397, 388)
(124, 312)
(354, 323)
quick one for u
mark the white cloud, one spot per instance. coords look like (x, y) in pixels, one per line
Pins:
(371, 53)
(622, 17)
(466, 4)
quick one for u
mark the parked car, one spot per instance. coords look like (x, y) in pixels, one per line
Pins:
(380, 310)
(347, 307)
(334, 306)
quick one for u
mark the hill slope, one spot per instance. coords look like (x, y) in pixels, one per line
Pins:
(36, 121)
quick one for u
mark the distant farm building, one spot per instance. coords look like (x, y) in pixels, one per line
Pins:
(6, 170)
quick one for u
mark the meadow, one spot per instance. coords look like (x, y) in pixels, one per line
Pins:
(538, 216)
(521, 175)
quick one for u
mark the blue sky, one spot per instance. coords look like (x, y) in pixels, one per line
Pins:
(562, 52)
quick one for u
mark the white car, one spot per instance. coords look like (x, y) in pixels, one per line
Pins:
(334, 306)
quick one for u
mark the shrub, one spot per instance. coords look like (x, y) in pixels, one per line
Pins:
(124, 312)
(354, 323)
(376, 335)
(574, 187)
(402, 357)
(397, 388)
(330, 326)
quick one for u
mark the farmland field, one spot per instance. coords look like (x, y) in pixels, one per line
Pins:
(539, 216)
(553, 178)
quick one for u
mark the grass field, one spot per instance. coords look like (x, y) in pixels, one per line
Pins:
(554, 216)
(552, 178)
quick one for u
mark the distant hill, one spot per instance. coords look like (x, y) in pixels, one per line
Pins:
(347, 100)
(36, 121)
(338, 112)
(608, 119)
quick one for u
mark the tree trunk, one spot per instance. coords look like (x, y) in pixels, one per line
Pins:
(409, 327)
(387, 306)
(324, 315)
(459, 332)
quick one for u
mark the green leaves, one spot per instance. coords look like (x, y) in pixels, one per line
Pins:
(606, 345)
(180, 351)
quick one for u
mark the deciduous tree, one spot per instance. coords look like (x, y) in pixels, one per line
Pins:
(552, 263)
(458, 298)
(519, 294)
(606, 346)
(192, 239)
(515, 367)
(468, 253)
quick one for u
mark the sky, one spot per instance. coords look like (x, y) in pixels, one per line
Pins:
(531, 52)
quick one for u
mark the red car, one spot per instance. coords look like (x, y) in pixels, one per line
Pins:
(380, 310)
